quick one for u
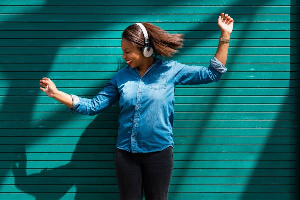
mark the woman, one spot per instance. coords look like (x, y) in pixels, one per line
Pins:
(145, 90)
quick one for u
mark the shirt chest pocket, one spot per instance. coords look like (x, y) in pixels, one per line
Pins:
(158, 81)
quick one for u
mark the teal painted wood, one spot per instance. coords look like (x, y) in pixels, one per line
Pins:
(137, 2)
(262, 148)
(235, 139)
(31, 26)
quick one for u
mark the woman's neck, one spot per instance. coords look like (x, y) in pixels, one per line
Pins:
(148, 62)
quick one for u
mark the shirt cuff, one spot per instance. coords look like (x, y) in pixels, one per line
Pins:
(217, 65)
(75, 101)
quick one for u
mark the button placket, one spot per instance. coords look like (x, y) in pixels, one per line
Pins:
(136, 119)
(137, 112)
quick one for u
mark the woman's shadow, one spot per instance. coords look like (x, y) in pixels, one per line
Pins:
(90, 171)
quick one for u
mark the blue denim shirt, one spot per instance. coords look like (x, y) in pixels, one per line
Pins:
(147, 103)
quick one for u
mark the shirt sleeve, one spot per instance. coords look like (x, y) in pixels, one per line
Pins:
(193, 75)
(104, 99)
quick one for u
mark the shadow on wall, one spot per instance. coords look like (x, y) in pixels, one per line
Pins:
(27, 108)
(254, 187)
(96, 170)
(279, 173)
(90, 171)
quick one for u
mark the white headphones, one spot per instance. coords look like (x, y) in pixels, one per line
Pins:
(147, 50)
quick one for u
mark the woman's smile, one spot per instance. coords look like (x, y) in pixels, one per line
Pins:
(129, 62)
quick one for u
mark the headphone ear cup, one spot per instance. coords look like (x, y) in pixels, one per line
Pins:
(147, 51)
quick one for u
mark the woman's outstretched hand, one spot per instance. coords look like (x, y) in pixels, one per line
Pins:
(48, 86)
(225, 23)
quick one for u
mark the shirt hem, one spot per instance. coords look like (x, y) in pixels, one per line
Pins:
(154, 150)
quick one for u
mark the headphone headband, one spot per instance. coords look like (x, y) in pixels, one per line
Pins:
(147, 50)
(145, 33)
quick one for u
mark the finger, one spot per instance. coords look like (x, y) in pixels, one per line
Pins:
(43, 85)
(222, 16)
(44, 81)
(45, 78)
(43, 89)
(228, 20)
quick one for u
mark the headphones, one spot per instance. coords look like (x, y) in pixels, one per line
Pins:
(147, 50)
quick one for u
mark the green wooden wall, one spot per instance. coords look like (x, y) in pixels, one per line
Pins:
(235, 139)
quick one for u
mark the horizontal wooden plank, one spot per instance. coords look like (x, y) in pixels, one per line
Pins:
(73, 67)
(64, 85)
(180, 107)
(158, 10)
(193, 34)
(177, 124)
(173, 188)
(210, 140)
(174, 26)
(117, 42)
(51, 179)
(118, 51)
(176, 172)
(178, 91)
(149, 3)
(233, 196)
(132, 18)
(113, 59)
(11, 100)
(178, 156)
(175, 196)
(175, 180)
(108, 75)
(203, 131)
(261, 148)
(66, 195)
(178, 116)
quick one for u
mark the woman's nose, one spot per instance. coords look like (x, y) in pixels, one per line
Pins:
(124, 56)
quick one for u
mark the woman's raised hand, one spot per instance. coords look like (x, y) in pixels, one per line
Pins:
(48, 86)
(225, 23)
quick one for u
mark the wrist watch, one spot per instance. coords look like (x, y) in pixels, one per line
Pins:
(224, 40)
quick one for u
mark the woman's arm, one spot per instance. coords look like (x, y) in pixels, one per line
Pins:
(105, 98)
(225, 24)
(64, 98)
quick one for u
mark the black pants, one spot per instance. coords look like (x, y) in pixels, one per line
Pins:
(150, 172)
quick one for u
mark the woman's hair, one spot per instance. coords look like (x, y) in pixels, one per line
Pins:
(162, 42)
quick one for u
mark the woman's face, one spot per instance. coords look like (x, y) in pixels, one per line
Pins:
(131, 54)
